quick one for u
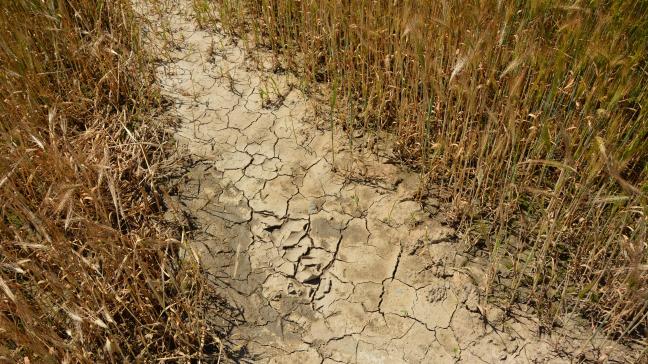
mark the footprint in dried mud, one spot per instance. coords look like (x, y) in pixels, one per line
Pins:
(326, 267)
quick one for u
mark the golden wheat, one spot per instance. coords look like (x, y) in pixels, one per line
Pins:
(88, 267)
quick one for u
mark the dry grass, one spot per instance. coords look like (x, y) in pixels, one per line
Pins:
(89, 269)
(532, 113)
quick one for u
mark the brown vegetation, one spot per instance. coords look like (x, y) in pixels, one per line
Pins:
(89, 270)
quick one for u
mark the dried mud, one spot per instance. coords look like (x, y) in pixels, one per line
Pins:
(324, 249)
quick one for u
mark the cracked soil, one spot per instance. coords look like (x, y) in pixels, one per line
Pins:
(323, 248)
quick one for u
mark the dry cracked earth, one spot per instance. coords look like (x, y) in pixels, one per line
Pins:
(324, 249)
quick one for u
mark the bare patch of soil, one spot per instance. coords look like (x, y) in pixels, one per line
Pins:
(324, 249)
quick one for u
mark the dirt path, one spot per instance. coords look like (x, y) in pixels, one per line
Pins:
(329, 256)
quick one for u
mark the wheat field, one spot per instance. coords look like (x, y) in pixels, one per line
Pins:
(532, 114)
(88, 267)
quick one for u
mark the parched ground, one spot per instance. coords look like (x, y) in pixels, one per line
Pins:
(324, 248)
